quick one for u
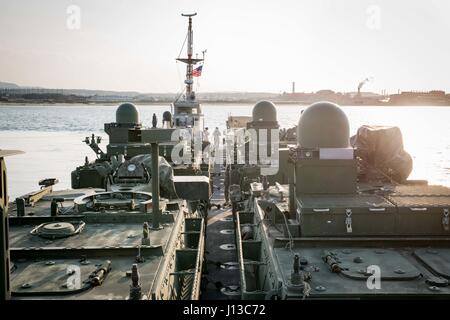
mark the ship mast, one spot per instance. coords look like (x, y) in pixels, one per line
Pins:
(190, 62)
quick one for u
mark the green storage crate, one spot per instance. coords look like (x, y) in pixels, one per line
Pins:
(422, 215)
(346, 215)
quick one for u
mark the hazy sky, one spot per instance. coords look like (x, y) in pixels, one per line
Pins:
(252, 45)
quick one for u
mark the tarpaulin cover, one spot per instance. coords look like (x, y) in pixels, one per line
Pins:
(381, 152)
(167, 186)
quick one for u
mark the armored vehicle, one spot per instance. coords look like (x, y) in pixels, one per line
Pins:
(339, 219)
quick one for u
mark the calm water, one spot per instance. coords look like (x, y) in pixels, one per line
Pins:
(51, 136)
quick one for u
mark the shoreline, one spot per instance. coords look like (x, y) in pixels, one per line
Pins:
(115, 103)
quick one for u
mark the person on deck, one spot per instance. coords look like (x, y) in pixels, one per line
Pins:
(216, 135)
(206, 135)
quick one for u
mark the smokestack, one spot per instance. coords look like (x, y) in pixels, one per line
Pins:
(361, 84)
(293, 87)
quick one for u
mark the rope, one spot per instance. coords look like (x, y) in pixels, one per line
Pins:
(290, 244)
(182, 47)
(178, 69)
(381, 172)
(306, 289)
(385, 175)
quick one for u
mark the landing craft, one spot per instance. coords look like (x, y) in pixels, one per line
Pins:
(131, 227)
(340, 219)
(122, 232)
(337, 219)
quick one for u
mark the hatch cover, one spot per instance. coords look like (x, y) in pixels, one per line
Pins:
(57, 230)
(438, 260)
(354, 264)
(53, 277)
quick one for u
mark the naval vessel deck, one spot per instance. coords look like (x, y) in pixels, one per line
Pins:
(221, 276)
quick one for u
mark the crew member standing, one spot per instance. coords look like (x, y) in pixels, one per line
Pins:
(216, 135)
(206, 135)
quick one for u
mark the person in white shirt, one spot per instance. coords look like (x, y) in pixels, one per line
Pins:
(206, 135)
(216, 135)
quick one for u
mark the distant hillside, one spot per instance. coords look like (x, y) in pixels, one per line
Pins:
(86, 92)
(78, 92)
(8, 85)
(103, 95)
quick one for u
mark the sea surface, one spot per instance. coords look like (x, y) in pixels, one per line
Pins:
(52, 136)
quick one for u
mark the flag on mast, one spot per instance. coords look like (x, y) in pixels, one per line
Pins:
(197, 72)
